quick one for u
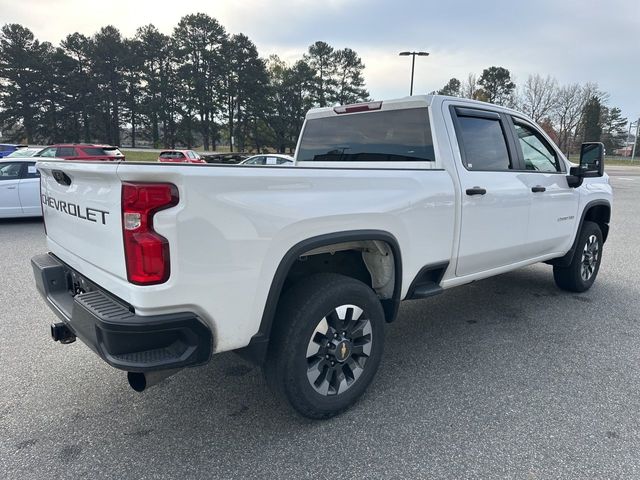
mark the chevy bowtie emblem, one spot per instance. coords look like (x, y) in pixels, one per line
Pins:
(343, 350)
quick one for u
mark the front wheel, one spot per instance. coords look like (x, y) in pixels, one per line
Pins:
(326, 345)
(584, 267)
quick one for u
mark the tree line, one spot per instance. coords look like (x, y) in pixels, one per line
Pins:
(198, 86)
(570, 114)
(203, 86)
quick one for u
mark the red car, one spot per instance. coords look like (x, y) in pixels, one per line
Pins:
(82, 151)
(180, 156)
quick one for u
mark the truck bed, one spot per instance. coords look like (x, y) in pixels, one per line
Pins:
(233, 225)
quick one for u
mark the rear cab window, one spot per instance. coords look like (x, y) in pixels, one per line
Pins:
(399, 135)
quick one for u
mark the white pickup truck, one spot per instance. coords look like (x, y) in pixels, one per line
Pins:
(158, 266)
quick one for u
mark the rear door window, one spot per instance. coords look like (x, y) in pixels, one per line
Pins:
(31, 171)
(256, 161)
(382, 136)
(482, 141)
(66, 152)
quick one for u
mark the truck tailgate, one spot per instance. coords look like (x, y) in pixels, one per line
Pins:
(81, 208)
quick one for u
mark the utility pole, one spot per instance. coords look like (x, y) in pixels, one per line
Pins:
(413, 64)
(635, 140)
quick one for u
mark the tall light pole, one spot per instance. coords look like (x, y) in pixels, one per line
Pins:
(635, 140)
(413, 63)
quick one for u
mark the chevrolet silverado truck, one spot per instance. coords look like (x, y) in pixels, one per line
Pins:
(156, 267)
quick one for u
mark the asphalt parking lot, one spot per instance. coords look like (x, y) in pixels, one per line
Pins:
(504, 378)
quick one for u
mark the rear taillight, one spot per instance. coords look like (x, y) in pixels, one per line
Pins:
(44, 220)
(146, 252)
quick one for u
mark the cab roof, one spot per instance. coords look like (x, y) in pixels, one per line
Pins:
(415, 101)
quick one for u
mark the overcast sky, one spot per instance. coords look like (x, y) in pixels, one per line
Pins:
(575, 41)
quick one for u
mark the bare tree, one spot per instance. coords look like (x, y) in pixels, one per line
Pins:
(589, 91)
(538, 96)
(470, 86)
(567, 113)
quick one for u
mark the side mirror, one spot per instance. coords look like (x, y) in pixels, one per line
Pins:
(592, 159)
(591, 164)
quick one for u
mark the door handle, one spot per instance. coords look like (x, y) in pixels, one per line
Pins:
(11, 188)
(476, 191)
(538, 188)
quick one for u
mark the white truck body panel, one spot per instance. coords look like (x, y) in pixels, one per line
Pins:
(10, 199)
(235, 224)
(95, 186)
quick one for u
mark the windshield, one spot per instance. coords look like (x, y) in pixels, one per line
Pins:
(391, 135)
(24, 152)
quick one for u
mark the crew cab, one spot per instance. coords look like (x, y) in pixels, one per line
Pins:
(158, 267)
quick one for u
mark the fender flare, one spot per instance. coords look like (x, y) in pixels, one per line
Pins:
(256, 351)
(565, 260)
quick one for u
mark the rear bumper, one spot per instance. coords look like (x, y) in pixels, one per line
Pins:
(112, 329)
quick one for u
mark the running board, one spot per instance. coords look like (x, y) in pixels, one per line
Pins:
(426, 290)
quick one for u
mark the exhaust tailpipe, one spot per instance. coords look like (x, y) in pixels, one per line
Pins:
(141, 381)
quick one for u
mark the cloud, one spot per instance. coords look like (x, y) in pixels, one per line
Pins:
(575, 41)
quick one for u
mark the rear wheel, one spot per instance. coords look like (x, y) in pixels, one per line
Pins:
(327, 344)
(584, 267)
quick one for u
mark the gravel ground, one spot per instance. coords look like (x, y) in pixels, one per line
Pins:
(504, 378)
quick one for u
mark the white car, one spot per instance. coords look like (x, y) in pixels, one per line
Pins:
(19, 188)
(269, 159)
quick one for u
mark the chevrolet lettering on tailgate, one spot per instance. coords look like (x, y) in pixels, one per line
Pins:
(85, 213)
